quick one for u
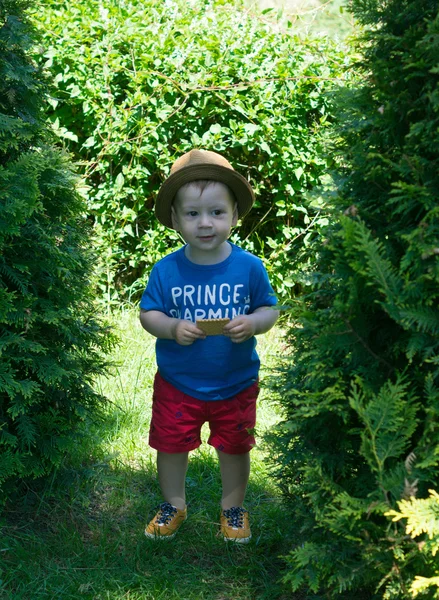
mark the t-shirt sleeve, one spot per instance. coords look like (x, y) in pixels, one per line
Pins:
(262, 292)
(152, 297)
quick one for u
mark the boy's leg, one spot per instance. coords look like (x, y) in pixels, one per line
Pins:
(235, 471)
(232, 423)
(171, 470)
(172, 513)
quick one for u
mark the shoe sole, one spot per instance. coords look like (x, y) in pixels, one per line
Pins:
(161, 538)
(238, 540)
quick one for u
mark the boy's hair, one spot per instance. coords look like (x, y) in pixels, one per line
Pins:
(202, 184)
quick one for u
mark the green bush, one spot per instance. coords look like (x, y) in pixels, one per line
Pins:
(50, 338)
(422, 522)
(139, 83)
(360, 387)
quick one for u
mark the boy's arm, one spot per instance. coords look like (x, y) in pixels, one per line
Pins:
(167, 328)
(244, 327)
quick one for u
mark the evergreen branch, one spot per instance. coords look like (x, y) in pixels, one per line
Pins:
(11, 274)
(380, 268)
(389, 418)
(426, 319)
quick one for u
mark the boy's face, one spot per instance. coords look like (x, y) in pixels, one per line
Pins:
(204, 218)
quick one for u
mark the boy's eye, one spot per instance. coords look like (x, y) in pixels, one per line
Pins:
(218, 212)
(192, 213)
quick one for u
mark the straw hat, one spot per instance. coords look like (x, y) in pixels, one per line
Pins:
(202, 164)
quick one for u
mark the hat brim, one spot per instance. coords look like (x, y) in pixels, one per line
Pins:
(240, 187)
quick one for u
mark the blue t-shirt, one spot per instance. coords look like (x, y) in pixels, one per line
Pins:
(214, 368)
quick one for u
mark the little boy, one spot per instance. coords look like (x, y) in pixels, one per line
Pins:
(201, 377)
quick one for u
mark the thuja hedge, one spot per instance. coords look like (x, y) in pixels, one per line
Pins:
(361, 388)
(139, 83)
(51, 340)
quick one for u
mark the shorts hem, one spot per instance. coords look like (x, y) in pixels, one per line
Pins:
(228, 450)
(173, 449)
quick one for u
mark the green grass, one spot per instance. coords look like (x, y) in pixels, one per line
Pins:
(80, 535)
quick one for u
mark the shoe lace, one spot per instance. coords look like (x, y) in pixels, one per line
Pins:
(165, 514)
(235, 516)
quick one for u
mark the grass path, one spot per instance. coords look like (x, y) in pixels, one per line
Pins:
(81, 535)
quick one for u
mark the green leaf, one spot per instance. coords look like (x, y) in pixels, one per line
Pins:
(119, 182)
(298, 173)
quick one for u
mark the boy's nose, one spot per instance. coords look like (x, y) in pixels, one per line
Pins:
(205, 220)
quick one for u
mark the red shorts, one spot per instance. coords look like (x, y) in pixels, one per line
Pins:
(177, 420)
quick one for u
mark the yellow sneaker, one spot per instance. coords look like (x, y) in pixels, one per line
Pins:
(235, 525)
(166, 523)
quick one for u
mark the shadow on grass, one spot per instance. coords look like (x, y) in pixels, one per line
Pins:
(81, 536)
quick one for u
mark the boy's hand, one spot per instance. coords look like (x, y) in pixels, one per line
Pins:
(240, 329)
(186, 333)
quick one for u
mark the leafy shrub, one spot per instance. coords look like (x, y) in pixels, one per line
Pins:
(50, 338)
(139, 83)
(360, 388)
(422, 522)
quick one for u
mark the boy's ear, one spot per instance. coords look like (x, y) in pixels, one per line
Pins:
(174, 219)
(235, 215)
